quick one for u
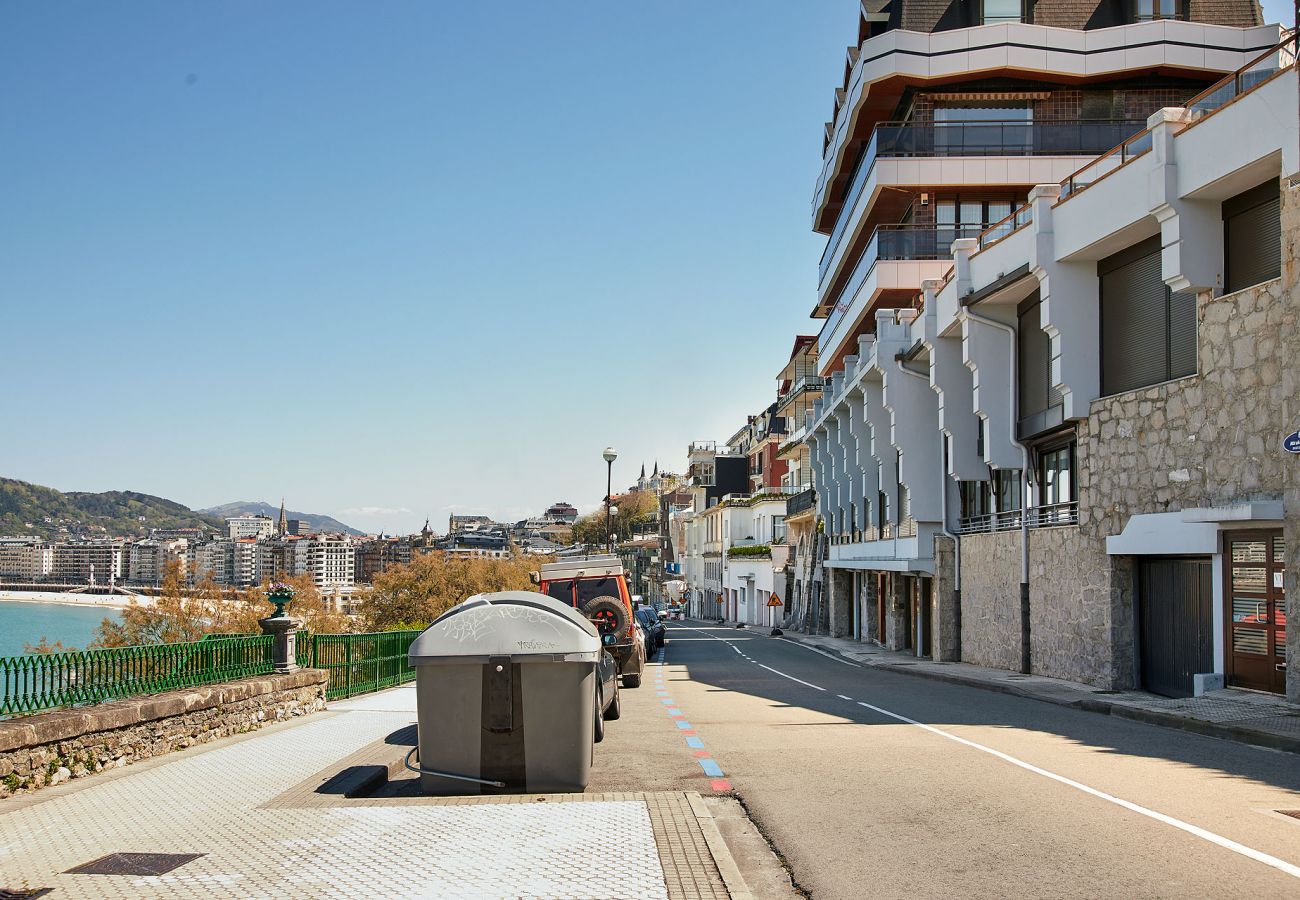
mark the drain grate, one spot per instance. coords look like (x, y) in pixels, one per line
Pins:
(23, 893)
(134, 864)
(1293, 813)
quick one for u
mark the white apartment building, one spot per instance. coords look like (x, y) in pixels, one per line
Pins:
(257, 527)
(147, 560)
(89, 562)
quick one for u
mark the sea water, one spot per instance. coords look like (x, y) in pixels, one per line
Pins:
(23, 623)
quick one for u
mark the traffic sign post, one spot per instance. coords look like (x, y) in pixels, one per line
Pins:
(772, 603)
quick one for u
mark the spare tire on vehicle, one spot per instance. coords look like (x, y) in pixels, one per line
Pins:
(608, 614)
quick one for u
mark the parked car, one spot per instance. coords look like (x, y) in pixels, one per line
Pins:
(656, 632)
(608, 703)
(597, 587)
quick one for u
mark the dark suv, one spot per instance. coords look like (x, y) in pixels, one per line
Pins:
(595, 585)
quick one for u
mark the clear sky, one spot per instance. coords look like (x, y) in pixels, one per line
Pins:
(391, 260)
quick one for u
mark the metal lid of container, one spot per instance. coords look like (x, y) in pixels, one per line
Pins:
(508, 623)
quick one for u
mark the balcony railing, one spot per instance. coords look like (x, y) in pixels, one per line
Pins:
(1018, 219)
(900, 139)
(890, 242)
(1037, 517)
(800, 502)
(1248, 78)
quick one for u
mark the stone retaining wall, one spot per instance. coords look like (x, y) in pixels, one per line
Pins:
(53, 747)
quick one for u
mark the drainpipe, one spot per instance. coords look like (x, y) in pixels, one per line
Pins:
(1025, 659)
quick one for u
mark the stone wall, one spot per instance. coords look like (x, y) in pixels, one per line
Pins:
(990, 599)
(53, 747)
(945, 642)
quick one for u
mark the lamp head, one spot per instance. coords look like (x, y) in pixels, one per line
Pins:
(610, 454)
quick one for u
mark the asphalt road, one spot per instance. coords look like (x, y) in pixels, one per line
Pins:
(875, 784)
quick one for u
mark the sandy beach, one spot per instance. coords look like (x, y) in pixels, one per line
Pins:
(116, 601)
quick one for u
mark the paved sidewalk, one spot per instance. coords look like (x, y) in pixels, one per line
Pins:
(1245, 716)
(236, 805)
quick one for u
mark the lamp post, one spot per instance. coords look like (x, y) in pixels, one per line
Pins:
(609, 456)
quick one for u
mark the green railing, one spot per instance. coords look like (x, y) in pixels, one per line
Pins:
(359, 663)
(41, 681)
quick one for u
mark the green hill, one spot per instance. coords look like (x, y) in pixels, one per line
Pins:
(30, 509)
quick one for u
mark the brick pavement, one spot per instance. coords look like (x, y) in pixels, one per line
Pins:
(250, 806)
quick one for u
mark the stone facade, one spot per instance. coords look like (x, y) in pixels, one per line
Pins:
(53, 747)
(990, 599)
(945, 639)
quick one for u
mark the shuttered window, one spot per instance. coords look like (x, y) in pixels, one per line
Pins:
(1148, 333)
(1252, 237)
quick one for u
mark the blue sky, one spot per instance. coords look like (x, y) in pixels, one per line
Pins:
(394, 259)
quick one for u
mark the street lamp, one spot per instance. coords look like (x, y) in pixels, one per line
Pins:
(609, 455)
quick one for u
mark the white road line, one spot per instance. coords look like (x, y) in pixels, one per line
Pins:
(820, 652)
(791, 677)
(842, 697)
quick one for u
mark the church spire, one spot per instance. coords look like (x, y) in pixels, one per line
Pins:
(643, 471)
(282, 527)
(656, 472)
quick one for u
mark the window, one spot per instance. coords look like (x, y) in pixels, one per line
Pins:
(983, 130)
(976, 499)
(704, 475)
(997, 11)
(1148, 333)
(1041, 405)
(959, 218)
(1056, 475)
(1252, 237)
(1150, 10)
(778, 529)
(1006, 489)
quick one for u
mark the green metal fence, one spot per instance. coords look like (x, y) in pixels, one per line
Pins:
(36, 682)
(359, 663)
(356, 663)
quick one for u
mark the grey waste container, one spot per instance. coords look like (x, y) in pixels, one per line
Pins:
(505, 689)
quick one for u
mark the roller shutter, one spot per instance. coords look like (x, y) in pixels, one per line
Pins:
(1148, 334)
(1252, 237)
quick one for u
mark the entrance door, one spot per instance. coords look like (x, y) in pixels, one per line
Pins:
(1175, 623)
(923, 603)
(1256, 610)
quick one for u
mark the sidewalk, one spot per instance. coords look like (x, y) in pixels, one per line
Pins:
(1248, 717)
(262, 816)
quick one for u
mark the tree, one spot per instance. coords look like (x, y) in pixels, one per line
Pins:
(414, 595)
(182, 613)
(638, 511)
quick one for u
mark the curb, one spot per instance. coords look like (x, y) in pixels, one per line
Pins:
(722, 858)
(1227, 732)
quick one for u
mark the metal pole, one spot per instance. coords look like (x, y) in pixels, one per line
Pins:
(609, 488)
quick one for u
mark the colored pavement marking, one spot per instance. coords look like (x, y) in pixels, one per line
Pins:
(682, 723)
(720, 785)
(666, 701)
(695, 743)
(711, 768)
(701, 754)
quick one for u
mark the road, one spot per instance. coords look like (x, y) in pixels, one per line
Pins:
(875, 784)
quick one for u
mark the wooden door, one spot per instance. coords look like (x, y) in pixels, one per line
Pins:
(1175, 623)
(1254, 565)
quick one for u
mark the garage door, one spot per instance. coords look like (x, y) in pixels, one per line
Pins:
(1175, 622)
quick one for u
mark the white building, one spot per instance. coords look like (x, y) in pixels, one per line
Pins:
(250, 527)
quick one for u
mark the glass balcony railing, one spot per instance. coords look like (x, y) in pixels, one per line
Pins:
(891, 242)
(898, 139)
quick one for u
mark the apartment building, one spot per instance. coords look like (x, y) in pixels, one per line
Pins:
(147, 560)
(331, 562)
(88, 562)
(1063, 453)
(25, 559)
(238, 527)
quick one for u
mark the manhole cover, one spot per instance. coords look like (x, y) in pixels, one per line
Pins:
(134, 864)
(1293, 813)
(23, 894)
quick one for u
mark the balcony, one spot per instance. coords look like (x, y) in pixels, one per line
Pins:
(890, 243)
(1037, 517)
(801, 502)
(961, 139)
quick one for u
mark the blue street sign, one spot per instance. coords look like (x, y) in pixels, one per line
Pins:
(1291, 443)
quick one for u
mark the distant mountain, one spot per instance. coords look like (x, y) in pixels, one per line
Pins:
(30, 509)
(257, 508)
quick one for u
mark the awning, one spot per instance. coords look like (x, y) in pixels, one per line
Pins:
(1190, 531)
